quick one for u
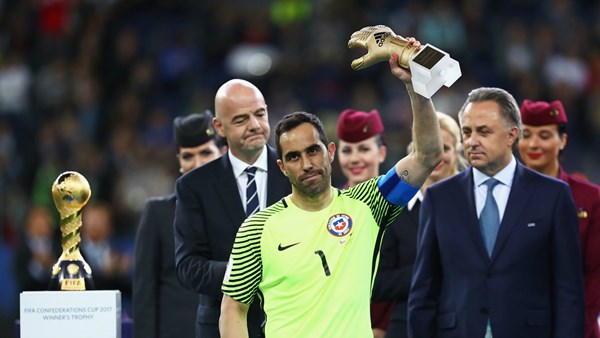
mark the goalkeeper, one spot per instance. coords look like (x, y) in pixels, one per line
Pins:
(311, 257)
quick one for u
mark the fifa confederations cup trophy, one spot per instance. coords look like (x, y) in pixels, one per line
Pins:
(430, 67)
(71, 192)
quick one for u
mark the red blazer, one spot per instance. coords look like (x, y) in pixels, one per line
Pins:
(587, 203)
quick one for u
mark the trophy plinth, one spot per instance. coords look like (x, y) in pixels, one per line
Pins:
(430, 67)
(71, 192)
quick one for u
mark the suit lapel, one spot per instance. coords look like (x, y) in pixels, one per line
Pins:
(226, 188)
(469, 211)
(516, 202)
(277, 184)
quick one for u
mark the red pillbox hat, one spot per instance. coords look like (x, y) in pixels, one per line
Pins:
(356, 126)
(538, 113)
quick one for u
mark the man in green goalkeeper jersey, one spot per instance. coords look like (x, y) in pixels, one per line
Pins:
(311, 257)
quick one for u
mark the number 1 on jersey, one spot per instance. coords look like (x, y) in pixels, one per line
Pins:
(324, 262)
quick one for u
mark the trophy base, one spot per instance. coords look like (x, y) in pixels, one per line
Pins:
(72, 276)
(431, 68)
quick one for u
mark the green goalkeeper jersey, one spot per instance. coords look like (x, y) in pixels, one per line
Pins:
(312, 271)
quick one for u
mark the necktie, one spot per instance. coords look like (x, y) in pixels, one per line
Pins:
(489, 220)
(251, 192)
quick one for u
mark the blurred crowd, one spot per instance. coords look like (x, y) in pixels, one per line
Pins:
(93, 86)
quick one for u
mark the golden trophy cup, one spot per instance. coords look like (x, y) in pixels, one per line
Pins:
(430, 67)
(71, 192)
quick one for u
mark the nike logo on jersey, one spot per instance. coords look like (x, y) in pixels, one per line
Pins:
(282, 247)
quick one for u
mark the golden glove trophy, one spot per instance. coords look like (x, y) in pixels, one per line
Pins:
(71, 192)
(430, 67)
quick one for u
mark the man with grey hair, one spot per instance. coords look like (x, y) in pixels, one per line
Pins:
(505, 260)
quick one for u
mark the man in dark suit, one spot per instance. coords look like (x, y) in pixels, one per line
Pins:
(212, 200)
(162, 307)
(505, 262)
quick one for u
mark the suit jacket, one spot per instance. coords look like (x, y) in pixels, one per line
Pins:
(208, 214)
(587, 203)
(531, 286)
(398, 252)
(162, 307)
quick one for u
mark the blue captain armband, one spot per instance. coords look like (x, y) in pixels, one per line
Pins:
(394, 189)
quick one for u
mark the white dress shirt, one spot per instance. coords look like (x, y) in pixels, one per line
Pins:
(417, 197)
(241, 177)
(501, 191)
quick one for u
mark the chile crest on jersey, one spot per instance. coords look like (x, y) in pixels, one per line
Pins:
(339, 225)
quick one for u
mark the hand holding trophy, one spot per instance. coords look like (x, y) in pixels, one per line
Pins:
(430, 67)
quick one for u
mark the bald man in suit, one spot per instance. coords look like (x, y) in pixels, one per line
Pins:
(212, 201)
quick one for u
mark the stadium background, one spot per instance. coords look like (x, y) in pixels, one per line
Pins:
(93, 85)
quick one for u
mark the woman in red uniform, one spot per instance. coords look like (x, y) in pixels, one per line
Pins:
(544, 137)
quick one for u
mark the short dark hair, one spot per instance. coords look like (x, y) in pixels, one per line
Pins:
(507, 103)
(293, 120)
